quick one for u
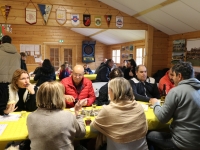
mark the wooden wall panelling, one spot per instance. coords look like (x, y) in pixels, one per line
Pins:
(47, 35)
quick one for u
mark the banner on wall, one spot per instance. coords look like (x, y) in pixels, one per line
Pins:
(75, 19)
(45, 11)
(119, 21)
(97, 21)
(31, 16)
(5, 11)
(61, 16)
(86, 19)
(108, 19)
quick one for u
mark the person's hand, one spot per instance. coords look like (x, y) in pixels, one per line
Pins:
(83, 102)
(87, 73)
(69, 98)
(10, 108)
(30, 88)
(153, 101)
(131, 74)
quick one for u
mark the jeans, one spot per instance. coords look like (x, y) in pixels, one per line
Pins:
(160, 141)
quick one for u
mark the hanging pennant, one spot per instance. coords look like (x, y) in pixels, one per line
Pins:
(5, 11)
(86, 19)
(61, 16)
(119, 21)
(45, 11)
(97, 21)
(108, 19)
(75, 19)
(31, 14)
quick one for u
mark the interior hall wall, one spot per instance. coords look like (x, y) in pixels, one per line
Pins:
(189, 35)
(48, 35)
(119, 46)
(160, 51)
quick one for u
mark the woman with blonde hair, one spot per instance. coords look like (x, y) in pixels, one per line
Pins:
(50, 127)
(123, 121)
(20, 94)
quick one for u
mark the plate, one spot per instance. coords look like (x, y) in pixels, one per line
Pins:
(72, 109)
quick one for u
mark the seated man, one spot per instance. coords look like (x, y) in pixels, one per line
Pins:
(167, 80)
(182, 103)
(144, 88)
(38, 68)
(87, 70)
(78, 88)
(104, 71)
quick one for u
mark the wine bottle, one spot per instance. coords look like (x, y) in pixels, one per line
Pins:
(163, 94)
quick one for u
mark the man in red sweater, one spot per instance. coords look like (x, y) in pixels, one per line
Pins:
(78, 88)
(167, 80)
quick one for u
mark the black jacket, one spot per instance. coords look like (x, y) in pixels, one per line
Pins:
(45, 74)
(103, 96)
(145, 91)
(126, 73)
(23, 65)
(103, 74)
(28, 105)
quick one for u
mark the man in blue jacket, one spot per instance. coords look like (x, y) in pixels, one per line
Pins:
(182, 103)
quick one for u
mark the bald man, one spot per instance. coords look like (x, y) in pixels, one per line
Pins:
(78, 88)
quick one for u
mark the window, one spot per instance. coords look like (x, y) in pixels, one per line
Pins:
(116, 56)
(140, 56)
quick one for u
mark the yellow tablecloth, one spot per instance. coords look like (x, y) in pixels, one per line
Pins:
(90, 76)
(17, 130)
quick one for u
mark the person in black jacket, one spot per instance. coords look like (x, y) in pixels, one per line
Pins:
(45, 73)
(20, 94)
(129, 72)
(103, 92)
(103, 74)
(144, 88)
(23, 61)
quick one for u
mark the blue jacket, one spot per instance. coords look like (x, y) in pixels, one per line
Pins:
(103, 74)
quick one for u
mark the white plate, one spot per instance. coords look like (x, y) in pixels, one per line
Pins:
(72, 109)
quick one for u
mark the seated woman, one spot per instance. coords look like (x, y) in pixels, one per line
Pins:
(103, 91)
(123, 121)
(50, 127)
(20, 94)
(63, 72)
(45, 73)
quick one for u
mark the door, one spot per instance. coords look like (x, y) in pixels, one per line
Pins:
(60, 54)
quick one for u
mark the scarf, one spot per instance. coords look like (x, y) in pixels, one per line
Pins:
(123, 122)
(13, 95)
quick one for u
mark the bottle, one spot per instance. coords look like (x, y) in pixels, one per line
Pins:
(163, 94)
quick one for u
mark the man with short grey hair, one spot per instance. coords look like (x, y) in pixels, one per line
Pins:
(182, 104)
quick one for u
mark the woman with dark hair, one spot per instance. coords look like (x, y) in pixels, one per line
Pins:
(45, 73)
(129, 72)
(20, 94)
(103, 92)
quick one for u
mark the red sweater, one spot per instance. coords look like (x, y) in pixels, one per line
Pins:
(165, 80)
(86, 91)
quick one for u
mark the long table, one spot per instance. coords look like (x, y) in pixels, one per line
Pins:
(91, 77)
(17, 130)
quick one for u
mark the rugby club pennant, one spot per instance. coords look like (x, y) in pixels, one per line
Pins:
(86, 19)
(45, 11)
(5, 11)
(108, 19)
(61, 16)
(97, 21)
(75, 19)
(31, 15)
(119, 21)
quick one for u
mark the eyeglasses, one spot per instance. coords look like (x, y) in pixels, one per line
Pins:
(77, 75)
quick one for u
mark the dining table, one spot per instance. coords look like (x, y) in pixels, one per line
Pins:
(16, 130)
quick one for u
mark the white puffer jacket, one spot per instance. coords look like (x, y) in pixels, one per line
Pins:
(9, 61)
